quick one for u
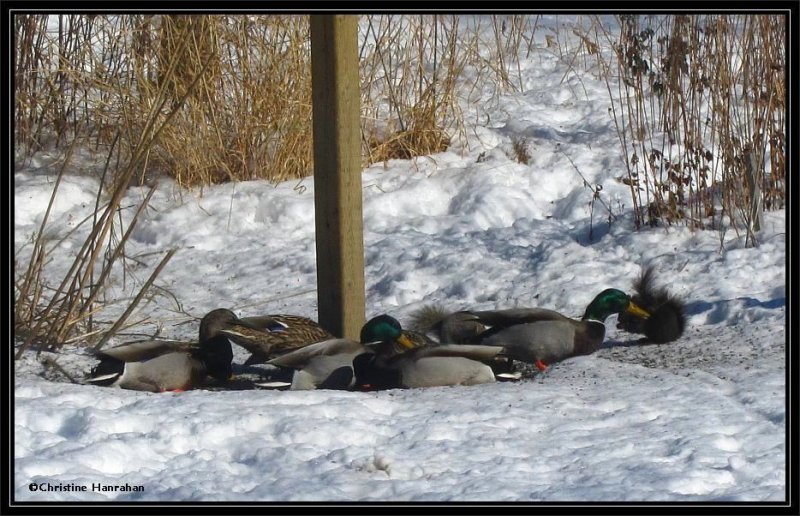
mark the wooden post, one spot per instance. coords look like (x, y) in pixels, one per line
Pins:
(337, 173)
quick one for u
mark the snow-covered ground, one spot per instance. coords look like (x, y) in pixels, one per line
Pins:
(699, 419)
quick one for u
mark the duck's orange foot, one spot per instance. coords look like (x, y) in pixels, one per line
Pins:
(540, 365)
(172, 390)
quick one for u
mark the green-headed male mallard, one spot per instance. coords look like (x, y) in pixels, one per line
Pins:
(538, 335)
(159, 366)
(269, 336)
(329, 364)
(432, 366)
(425, 364)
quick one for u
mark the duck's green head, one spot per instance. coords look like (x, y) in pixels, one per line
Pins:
(384, 328)
(612, 301)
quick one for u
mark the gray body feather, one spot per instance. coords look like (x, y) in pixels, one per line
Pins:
(168, 372)
(448, 364)
(549, 341)
(316, 363)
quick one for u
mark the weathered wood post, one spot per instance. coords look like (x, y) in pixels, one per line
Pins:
(337, 173)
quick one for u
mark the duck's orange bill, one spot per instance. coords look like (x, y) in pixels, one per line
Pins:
(636, 310)
(405, 342)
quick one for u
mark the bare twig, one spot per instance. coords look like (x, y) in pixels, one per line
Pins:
(110, 333)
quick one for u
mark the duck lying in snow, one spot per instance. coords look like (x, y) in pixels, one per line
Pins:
(386, 357)
(158, 366)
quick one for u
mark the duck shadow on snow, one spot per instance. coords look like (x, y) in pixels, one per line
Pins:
(246, 377)
(633, 342)
(718, 311)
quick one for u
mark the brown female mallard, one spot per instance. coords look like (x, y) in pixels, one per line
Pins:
(269, 336)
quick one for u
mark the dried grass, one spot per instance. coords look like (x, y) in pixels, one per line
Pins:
(249, 114)
(519, 146)
(700, 113)
(50, 321)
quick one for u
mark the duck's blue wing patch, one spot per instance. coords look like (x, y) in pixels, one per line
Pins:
(276, 327)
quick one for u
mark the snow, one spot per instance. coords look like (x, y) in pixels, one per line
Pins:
(701, 419)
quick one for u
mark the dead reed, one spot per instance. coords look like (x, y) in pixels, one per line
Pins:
(66, 314)
(249, 115)
(700, 113)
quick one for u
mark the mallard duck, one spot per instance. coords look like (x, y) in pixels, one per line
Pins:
(406, 359)
(329, 364)
(432, 366)
(538, 335)
(159, 366)
(272, 335)
(667, 312)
